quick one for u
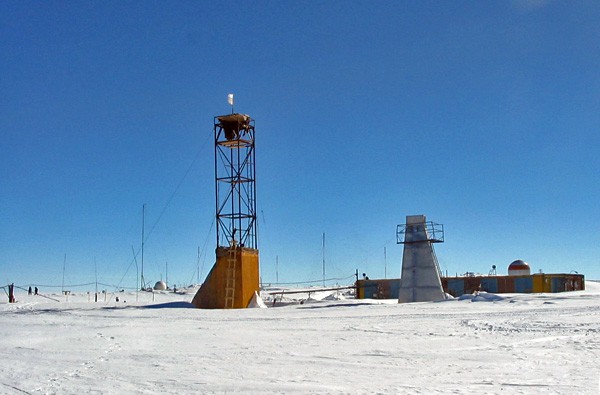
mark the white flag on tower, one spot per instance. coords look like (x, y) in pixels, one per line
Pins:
(230, 99)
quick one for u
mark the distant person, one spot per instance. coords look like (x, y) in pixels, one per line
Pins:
(11, 293)
(29, 290)
(36, 290)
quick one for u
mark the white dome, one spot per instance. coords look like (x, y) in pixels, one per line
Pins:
(160, 286)
(519, 268)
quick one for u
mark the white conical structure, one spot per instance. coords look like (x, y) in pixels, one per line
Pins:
(420, 281)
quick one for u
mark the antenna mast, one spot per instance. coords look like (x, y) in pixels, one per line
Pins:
(323, 259)
(198, 267)
(384, 263)
(143, 220)
(63, 282)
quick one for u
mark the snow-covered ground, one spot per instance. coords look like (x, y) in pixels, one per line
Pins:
(548, 343)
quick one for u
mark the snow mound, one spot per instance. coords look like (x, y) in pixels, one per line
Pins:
(481, 297)
(257, 302)
(335, 296)
(592, 286)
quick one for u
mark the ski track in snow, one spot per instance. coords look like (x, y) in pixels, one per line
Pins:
(519, 344)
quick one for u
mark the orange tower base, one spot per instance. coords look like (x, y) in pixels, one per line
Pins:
(231, 282)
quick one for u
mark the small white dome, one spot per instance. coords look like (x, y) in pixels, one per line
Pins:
(160, 286)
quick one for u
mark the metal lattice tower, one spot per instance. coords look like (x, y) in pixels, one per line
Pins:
(234, 181)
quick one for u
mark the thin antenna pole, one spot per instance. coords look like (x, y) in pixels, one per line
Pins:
(323, 259)
(277, 269)
(96, 274)
(167, 273)
(142, 284)
(62, 288)
(384, 263)
(198, 267)
(137, 273)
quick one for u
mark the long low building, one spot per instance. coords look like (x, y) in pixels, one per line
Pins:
(459, 285)
(535, 283)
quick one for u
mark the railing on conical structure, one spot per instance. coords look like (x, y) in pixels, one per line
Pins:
(434, 233)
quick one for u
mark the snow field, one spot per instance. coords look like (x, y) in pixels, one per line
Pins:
(510, 344)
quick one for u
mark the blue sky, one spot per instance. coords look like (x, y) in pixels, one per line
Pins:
(480, 115)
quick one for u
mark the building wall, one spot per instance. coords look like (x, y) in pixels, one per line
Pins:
(536, 283)
(456, 286)
(378, 289)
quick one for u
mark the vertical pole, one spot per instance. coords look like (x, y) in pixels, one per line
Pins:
(238, 190)
(142, 283)
(253, 185)
(96, 274)
(384, 263)
(277, 269)
(198, 267)
(137, 274)
(323, 259)
(216, 142)
(62, 288)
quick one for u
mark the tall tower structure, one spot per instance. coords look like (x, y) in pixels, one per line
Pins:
(235, 276)
(420, 280)
(234, 181)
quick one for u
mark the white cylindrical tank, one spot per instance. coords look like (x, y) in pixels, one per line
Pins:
(519, 268)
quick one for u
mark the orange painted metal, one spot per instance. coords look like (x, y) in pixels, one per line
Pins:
(220, 285)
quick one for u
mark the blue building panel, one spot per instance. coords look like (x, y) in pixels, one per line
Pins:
(456, 286)
(394, 289)
(558, 284)
(524, 284)
(489, 284)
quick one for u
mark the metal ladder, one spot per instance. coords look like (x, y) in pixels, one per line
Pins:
(230, 278)
(437, 264)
